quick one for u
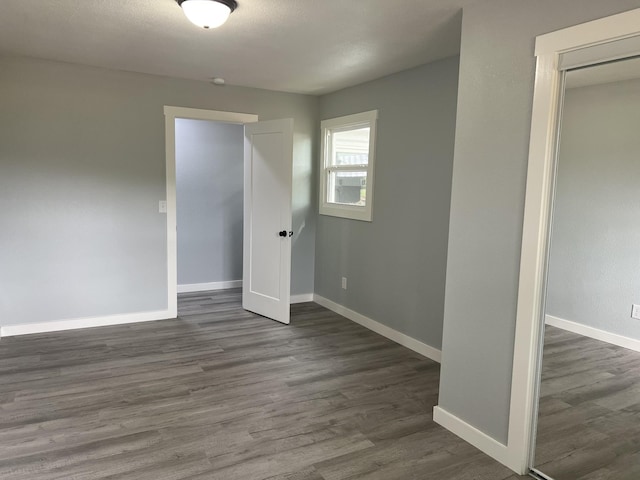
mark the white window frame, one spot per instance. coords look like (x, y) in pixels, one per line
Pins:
(348, 122)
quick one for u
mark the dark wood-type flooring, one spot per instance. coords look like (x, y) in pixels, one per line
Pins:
(589, 424)
(222, 394)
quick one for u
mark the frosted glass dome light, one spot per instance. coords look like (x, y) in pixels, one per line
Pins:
(207, 13)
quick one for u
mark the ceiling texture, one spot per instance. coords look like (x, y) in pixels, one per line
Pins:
(301, 46)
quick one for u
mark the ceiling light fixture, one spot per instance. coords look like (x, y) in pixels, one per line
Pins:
(208, 13)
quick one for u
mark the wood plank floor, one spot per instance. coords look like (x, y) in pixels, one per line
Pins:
(589, 424)
(222, 394)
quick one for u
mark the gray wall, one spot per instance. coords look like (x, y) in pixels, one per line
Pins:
(82, 162)
(495, 94)
(594, 269)
(209, 189)
(396, 264)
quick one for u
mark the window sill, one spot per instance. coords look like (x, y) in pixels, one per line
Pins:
(343, 211)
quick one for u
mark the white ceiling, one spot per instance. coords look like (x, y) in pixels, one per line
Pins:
(620, 71)
(303, 46)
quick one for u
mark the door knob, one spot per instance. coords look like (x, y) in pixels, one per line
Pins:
(283, 233)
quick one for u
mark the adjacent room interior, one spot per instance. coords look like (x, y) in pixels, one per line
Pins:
(377, 180)
(209, 191)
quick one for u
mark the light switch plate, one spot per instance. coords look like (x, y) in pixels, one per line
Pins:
(635, 312)
(162, 206)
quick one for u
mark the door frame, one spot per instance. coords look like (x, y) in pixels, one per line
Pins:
(537, 214)
(170, 115)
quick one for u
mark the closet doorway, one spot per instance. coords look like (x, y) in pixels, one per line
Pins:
(267, 153)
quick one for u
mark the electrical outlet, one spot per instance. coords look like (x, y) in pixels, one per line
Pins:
(635, 312)
(344, 283)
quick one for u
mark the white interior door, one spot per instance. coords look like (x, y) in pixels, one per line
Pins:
(268, 163)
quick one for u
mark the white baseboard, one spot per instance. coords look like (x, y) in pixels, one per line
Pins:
(398, 337)
(203, 287)
(59, 325)
(595, 333)
(475, 437)
(302, 298)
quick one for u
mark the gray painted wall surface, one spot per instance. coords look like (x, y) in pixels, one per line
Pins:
(82, 168)
(396, 264)
(209, 189)
(594, 268)
(495, 94)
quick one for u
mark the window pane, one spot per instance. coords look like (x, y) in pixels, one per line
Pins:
(351, 147)
(348, 188)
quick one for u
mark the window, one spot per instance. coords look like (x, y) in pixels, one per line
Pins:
(346, 180)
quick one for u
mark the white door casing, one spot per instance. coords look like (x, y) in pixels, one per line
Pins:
(268, 164)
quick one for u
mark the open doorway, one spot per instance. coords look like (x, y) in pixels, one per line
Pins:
(604, 40)
(590, 387)
(172, 116)
(267, 152)
(209, 192)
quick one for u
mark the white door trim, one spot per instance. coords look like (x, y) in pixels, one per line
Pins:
(540, 179)
(170, 115)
